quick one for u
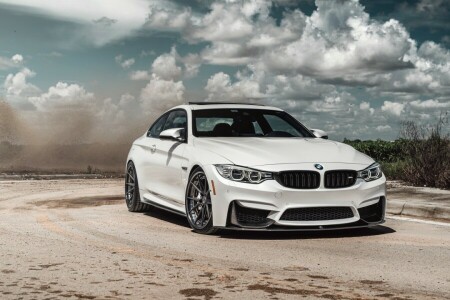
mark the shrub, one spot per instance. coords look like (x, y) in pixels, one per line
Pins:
(382, 151)
(427, 152)
(420, 157)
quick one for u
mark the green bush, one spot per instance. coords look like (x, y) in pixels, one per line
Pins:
(420, 157)
(381, 151)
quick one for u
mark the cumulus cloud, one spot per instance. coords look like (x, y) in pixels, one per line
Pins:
(63, 96)
(124, 63)
(335, 68)
(17, 58)
(17, 89)
(393, 108)
(7, 63)
(165, 66)
(139, 75)
(365, 106)
(169, 66)
(221, 88)
(168, 16)
(159, 95)
(430, 104)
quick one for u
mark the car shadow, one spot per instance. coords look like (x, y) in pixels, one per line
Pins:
(290, 235)
(166, 216)
(274, 235)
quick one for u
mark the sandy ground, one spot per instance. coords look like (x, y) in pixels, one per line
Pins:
(75, 239)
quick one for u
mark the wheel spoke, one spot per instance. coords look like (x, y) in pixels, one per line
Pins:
(131, 176)
(198, 216)
(203, 214)
(205, 188)
(208, 214)
(200, 183)
(198, 190)
(195, 206)
(130, 183)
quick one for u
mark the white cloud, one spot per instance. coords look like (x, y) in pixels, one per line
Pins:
(393, 108)
(127, 63)
(430, 104)
(139, 75)
(124, 63)
(165, 66)
(365, 106)
(221, 88)
(17, 89)
(168, 16)
(383, 128)
(17, 58)
(92, 17)
(192, 63)
(159, 95)
(13, 62)
(63, 96)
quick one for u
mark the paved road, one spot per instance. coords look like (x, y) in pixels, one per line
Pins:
(75, 239)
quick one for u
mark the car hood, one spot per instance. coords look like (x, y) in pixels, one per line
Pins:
(254, 151)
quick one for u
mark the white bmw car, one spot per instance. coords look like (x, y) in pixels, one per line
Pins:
(242, 166)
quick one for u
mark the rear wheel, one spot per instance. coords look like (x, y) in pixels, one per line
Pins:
(198, 203)
(132, 197)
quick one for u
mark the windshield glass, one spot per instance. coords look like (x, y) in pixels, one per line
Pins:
(246, 122)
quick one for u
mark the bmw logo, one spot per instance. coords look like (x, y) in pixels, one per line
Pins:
(318, 166)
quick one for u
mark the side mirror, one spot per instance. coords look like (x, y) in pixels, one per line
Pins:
(175, 134)
(320, 133)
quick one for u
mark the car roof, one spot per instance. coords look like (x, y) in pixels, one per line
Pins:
(217, 105)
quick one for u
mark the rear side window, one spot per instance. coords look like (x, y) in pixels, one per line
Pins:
(157, 127)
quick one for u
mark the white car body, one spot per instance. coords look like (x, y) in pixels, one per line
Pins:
(163, 168)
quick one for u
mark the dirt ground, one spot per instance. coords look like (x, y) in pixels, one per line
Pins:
(75, 239)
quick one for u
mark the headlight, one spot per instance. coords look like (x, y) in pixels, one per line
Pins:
(370, 173)
(241, 174)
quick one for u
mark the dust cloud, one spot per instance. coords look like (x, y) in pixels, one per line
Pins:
(65, 140)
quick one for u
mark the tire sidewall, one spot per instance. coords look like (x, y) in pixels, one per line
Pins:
(135, 198)
(209, 228)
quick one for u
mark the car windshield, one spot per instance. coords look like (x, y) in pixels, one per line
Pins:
(246, 123)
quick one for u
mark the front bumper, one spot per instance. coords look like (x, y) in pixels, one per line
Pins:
(265, 204)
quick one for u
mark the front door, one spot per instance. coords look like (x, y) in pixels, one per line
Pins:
(164, 173)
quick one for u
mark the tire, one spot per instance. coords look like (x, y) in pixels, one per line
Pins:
(198, 203)
(132, 197)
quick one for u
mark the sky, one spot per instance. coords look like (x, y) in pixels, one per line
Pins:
(355, 69)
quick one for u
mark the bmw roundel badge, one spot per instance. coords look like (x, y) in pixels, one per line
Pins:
(318, 166)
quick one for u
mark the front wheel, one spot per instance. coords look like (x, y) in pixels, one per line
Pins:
(132, 197)
(198, 203)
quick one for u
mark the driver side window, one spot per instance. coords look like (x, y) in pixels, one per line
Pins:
(157, 127)
(176, 119)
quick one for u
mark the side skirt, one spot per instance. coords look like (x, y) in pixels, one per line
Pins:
(152, 203)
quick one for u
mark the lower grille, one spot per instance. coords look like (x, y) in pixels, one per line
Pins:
(299, 179)
(317, 213)
(340, 179)
(249, 217)
(372, 213)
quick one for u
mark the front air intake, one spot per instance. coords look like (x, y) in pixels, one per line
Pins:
(317, 213)
(339, 179)
(299, 179)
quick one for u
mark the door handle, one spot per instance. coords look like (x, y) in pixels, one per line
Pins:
(153, 148)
